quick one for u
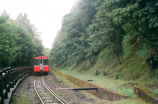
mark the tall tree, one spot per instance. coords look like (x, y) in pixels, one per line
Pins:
(73, 46)
(139, 20)
(104, 32)
(8, 39)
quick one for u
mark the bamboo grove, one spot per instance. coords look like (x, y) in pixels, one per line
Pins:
(19, 41)
(127, 27)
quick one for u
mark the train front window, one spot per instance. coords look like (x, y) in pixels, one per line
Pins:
(45, 62)
(36, 62)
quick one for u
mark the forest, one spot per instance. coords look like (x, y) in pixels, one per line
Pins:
(126, 27)
(19, 41)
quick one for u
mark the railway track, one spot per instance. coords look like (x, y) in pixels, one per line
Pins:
(45, 94)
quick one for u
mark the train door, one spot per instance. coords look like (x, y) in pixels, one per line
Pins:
(41, 64)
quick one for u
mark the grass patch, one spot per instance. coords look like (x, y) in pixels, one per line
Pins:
(103, 81)
(134, 71)
(115, 85)
(25, 98)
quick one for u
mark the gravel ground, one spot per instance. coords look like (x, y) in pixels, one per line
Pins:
(25, 93)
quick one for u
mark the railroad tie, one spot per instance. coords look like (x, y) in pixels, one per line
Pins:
(49, 101)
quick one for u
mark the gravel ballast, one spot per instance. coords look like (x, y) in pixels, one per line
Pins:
(25, 93)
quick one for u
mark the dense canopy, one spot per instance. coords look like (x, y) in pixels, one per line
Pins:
(128, 27)
(19, 42)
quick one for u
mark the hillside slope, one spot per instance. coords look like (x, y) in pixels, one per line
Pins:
(133, 71)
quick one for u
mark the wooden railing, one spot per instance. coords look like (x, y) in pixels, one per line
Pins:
(10, 78)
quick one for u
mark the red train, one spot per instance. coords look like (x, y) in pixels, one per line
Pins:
(41, 64)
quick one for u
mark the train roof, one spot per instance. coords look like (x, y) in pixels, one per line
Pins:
(38, 57)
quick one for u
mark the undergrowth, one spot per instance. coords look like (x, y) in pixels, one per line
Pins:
(133, 71)
(23, 99)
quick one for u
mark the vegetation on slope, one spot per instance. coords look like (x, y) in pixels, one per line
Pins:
(129, 73)
(126, 29)
(113, 36)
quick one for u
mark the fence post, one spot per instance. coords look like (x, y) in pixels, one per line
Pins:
(24, 70)
(1, 87)
(20, 72)
(13, 76)
(9, 78)
(18, 76)
(5, 83)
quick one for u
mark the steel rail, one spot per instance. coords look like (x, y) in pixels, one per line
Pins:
(49, 90)
(52, 92)
(37, 92)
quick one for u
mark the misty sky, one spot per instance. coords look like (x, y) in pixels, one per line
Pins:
(46, 15)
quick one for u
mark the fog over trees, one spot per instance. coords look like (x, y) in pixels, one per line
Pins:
(19, 42)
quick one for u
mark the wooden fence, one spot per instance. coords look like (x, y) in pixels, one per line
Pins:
(9, 79)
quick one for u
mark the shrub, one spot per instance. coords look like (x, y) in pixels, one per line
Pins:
(96, 72)
(116, 76)
(104, 73)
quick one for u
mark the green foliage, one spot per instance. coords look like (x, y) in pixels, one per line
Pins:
(127, 27)
(116, 76)
(139, 20)
(71, 43)
(96, 72)
(104, 72)
(8, 39)
(18, 41)
(28, 44)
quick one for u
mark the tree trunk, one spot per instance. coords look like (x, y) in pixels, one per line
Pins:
(90, 59)
(113, 40)
(117, 54)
